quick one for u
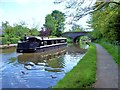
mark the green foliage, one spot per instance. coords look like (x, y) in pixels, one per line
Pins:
(33, 32)
(50, 24)
(106, 28)
(105, 23)
(14, 40)
(14, 33)
(4, 40)
(52, 36)
(84, 38)
(0, 40)
(83, 75)
(8, 43)
(112, 49)
(69, 40)
(55, 23)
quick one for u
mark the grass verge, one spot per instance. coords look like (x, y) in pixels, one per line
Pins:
(83, 74)
(112, 50)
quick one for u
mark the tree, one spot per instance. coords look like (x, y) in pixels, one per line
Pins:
(76, 27)
(59, 18)
(14, 33)
(105, 23)
(5, 25)
(33, 32)
(50, 24)
(79, 8)
(55, 23)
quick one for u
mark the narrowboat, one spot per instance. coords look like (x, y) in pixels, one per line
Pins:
(38, 44)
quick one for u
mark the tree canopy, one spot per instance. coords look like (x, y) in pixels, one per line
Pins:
(11, 34)
(79, 8)
(54, 22)
(105, 23)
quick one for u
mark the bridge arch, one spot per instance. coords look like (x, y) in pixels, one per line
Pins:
(75, 39)
(75, 35)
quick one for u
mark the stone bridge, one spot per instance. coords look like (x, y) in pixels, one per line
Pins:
(75, 35)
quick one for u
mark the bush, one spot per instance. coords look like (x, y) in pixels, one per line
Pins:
(8, 43)
(0, 40)
(112, 50)
(14, 40)
(69, 40)
(4, 40)
(52, 36)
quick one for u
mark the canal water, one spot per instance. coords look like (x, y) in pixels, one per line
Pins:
(37, 70)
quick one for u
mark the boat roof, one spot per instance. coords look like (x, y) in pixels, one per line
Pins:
(45, 38)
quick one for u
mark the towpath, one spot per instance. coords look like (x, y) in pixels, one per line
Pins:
(107, 70)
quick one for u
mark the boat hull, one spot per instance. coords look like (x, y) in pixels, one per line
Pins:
(41, 49)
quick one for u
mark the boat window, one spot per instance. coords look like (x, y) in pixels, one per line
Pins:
(49, 42)
(34, 42)
(42, 43)
(56, 41)
(52, 42)
(45, 42)
(62, 41)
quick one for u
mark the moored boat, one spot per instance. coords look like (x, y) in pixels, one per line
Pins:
(38, 44)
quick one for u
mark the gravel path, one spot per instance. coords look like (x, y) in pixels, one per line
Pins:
(107, 70)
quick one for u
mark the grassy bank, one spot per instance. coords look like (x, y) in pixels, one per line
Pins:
(112, 50)
(83, 74)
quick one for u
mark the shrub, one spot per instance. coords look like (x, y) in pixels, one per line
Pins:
(14, 40)
(69, 40)
(4, 40)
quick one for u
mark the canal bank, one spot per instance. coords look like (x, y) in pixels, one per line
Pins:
(96, 70)
(83, 75)
(7, 46)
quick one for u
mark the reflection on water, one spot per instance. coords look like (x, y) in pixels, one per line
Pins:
(38, 70)
(83, 45)
(12, 59)
(8, 50)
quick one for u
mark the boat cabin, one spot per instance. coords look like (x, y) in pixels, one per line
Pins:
(33, 44)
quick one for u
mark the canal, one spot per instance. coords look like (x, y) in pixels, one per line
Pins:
(37, 70)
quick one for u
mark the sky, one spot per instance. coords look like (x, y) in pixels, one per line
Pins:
(33, 12)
